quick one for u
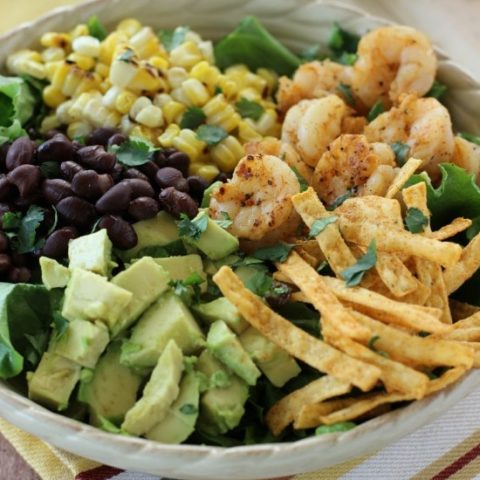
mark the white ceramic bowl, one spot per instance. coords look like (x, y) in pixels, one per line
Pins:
(298, 23)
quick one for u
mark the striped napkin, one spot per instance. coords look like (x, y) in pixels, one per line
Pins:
(448, 448)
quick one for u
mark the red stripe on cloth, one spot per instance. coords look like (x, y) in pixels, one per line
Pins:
(99, 473)
(458, 464)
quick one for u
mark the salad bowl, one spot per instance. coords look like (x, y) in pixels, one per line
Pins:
(298, 24)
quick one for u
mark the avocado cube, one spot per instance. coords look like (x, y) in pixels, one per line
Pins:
(221, 309)
(224, 345)
(180, 421)
(53, 381)
(54, 274)
(158, 231)
(83, 342)
(91, 252)
(91, 297)
(159, 393)
(277, 365)
(214, 242)
(182, 266)
(221, 409)
(112, 389)
(166, 319)
(146, 281)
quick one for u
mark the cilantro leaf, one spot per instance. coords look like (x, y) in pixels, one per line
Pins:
(335, 427)
(302, 182)
(319, 225)
(11, 220)
(172, 38)
(96, 28)
(437, 91)
(376, 110)
(189, 289)
(346, 58)
(193, 118)
(60, 324)
(353, 275)
(188, 409)
(211, 134)
(341, 40)
(27, 230)
(322, 266)
(341, 198)
(275, 253)
(401, 151)
(134, 152)
(192, 228)
(311, 53)
(470, 137)
(347, 93)
(371, 346)
(474, 228)
(415, 220)
(259, 283)
(174, 248)
(225, 221)
(248, 109)
(126, 56)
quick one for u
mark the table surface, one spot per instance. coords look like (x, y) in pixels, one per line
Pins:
(459, 16)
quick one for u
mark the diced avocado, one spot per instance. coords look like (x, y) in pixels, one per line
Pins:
(245, 273)
(221, 409)
(278, 366)
(166, 319)
(182, 266)
(214, 242)
(91, 252)
(221, 309)
(53, 381)
(207, 194)
(54, 274)
(158, 231)
(224, 345)
(159, 393)
(180, 421)
(112, 389)
(91, 297)
(146, 280)
(83, 342)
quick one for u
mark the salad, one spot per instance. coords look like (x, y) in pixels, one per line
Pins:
(233, 243)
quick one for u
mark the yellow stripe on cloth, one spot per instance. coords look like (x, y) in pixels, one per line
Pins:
(49, 462)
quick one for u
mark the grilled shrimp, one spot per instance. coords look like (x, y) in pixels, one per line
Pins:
(393, 61)
(422, 123)
(351, 163)
(257, 199)
(467, 155)
(311, 80)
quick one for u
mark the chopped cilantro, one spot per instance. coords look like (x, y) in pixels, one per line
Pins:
(126, 56)
(96, 28)
(347, 93)
(225, 221)
(376, 110)
(302, 182)
(353, 275)
(189, 289)
(470, 137)
(275, 253)
(60, 324)
(211, 134)
(401, 151)
(259, 283)
(371, 346)
(438, 90)
(319, 225)
(172, 38)
(248, 109)
(11, 220)
(134, 152)
(342, 40)
(192, 228)
(340, 199)
(22, 230)
(415, 220)
(193, 118)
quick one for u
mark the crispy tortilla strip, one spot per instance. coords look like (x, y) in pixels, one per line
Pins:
(308, 415)
(461, 310)
(281, 277)
(311, 247)
(468, 264)
(449, 377)
(398, 241)
(396, 276)
(321, 297)
(295, 341)
(311, 260)
(473, 321)
(429, 273)
(284, 411)
(362, 406)
(331, 243)
(417, 351)
(476, 351)
(402, 176)
(471, 334)
(458, 225)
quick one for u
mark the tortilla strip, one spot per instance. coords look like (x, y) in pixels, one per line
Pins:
(456, 226)
(450, 376)
(471, 334)
(283, 412)
(472, 321)
(461, 310)
(407, 170)
(308, 415)
(395, 275)
(467, 265)
(295, 341)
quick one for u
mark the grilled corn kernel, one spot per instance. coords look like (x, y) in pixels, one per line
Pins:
(195, 92)
(208, 172)
(83, 62)
(78, 81)
(270, 77)
(150, 116)
(59, 75)
(150, 134)
(186, 55)
(52, 97)
(102, 69)
(104, 86)
(158, 62)
(86, 45)
(139, 104)
(206, 47)
(250, 94)
(228, 87)
(53, 54)
(179, 95)
(173, 110)
(26, 62)
(191, 36)
(63, 114)
(124, 101)
(161, 99)
(188, 142)
(227, 153)
(207, 74)
(220, 112)
(79, 106)
(79, 31)
(78, 129)
(122, 73)
(246, 133)
(110, 96)
(176, 76)
(51, 68)
(126, 125)
(166, 138)
(145, 43)
(130, 26)
(268, 124)
(50, 122)
(109, 46)
(54, 39)
(147, 79)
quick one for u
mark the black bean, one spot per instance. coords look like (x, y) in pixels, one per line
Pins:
(76, 146)
(56, 189)
(276, 301)
(51, 133)
(56, 245)
(169, 151)
(116, 139)
(175, 202)
(160, 158)
(120, 232)
(100, 136)
(197, 185)
(3, 154)
(95, 156)
(116, 200)
(70, 169)
(135, 173)
(19, 259)
(20, 152)
(77, 211)
(59, 149)
(222, 177)
(26, 178)
(142, 208)
(180, 161)
(140, 188)
(171, 177)
(6, 188)
(90, 185)
(5, 263)
(3, 242)
(117, 171)
(23, 203)
(19, 275)
(150, 169)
